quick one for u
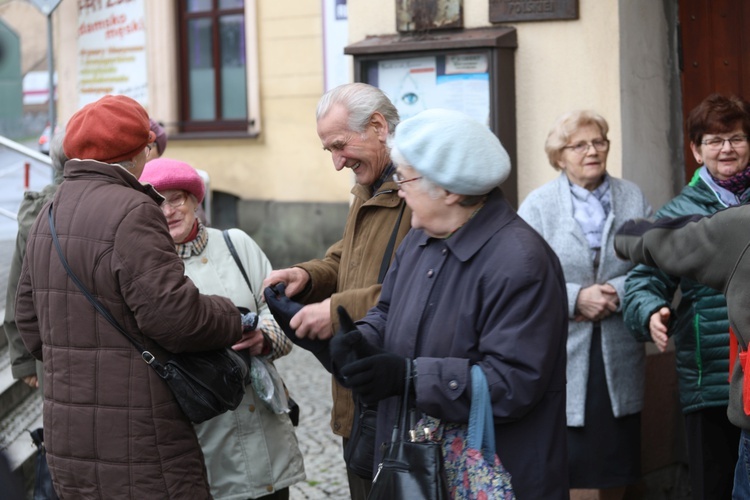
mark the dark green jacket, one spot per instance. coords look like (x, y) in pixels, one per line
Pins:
(22, 363)
(699, 324)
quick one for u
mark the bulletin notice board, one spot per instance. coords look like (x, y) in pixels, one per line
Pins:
(471, 71)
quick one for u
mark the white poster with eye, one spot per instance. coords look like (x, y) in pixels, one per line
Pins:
(409, 84)
(460, 82)
(111, 50)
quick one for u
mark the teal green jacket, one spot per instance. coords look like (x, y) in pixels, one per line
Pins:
(699, 323)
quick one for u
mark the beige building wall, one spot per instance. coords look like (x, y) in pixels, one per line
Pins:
(31, 27)
(285, 162)
(560, 66)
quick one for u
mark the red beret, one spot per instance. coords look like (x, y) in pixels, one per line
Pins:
(112, 129)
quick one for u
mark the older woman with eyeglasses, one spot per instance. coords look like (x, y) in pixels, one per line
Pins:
(578, 213)
(718, 130)
(250, 452)
(471, 284)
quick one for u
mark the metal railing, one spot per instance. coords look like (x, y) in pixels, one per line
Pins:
(23, 151)
(20, 148)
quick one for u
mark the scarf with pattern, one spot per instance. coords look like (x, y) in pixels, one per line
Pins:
(590, 210)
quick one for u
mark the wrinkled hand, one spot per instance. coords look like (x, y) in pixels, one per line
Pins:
(658, 327)
(295, 279)
(253, 341)
(376, 377)
(313, 321)
(596, 302)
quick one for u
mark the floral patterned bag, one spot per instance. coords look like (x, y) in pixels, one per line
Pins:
(472, 468)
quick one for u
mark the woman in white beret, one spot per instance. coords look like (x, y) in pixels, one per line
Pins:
(578, 213)
(471, 284)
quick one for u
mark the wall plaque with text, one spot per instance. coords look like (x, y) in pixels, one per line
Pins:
(503, 11)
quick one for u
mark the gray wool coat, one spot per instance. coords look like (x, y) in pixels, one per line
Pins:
(549, 210)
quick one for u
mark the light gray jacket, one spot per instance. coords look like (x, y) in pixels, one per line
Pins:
(549, 210)
(251, 451)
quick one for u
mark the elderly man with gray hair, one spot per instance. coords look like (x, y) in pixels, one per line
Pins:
(354, 122)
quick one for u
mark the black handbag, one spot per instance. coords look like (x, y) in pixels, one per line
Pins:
(409, 470)
(205, 384)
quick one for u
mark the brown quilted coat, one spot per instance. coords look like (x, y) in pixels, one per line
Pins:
(112, 427)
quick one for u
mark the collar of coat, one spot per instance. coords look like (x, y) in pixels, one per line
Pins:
(79, 169)
(473, 235)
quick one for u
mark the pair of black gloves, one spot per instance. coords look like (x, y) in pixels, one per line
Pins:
(370, 372)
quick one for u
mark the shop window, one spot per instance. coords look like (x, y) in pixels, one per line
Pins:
(215, 60)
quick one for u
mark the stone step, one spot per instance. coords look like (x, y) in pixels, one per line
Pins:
(15, 440)
(12, 391)
(3, 338)
(20, 412)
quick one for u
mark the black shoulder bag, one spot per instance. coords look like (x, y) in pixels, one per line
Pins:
(205, 384)
(359, 453)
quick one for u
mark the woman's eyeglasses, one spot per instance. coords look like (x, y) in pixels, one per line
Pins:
(716, 143)
(400, 179)
(583, 147)
(175, 201)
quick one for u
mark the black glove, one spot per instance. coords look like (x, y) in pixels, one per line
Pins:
(349, 346)
(376, 377)
(283, 310)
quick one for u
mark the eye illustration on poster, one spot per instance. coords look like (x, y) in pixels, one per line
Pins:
(459, 82)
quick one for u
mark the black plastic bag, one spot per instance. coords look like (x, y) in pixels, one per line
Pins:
(43, 489)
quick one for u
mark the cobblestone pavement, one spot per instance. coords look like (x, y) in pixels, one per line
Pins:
(310, 385)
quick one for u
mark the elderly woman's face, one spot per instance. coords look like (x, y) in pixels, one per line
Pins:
(723, 159)
(179, 209)
(584, 158)
(427, 210)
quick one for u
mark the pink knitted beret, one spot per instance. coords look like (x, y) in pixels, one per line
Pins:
(165, 174)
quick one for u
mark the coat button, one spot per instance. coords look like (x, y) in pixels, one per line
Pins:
(445, 251)
(453, 385)
(336, 426)
(269, 488)
(251, 408)
(430, 273)
(204, 259)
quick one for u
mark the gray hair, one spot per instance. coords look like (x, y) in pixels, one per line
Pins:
(58, 156)
(361, 101)
(128, 165)
(565, 126)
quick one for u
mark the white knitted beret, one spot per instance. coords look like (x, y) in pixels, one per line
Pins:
(452, 150)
